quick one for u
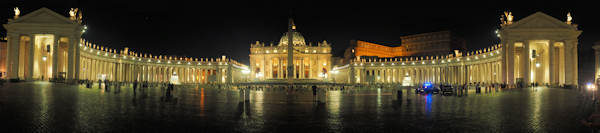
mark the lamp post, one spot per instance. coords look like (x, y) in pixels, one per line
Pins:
(246, 72)
(334, 74)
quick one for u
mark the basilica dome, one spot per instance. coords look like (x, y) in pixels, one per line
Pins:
(298, 39)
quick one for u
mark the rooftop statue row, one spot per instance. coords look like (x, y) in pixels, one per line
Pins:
(259, 44)
(509, 18)
(72, 13)
(126, 51)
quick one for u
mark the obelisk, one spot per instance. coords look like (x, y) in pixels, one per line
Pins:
(290, 50)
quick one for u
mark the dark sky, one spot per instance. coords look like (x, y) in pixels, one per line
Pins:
(209, 29)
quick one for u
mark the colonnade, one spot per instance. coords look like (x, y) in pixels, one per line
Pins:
(305, 68)
(478, 67)
(487, 72)
(94, 69)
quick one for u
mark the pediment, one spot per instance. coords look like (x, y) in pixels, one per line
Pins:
(43, 16)
(539, 20)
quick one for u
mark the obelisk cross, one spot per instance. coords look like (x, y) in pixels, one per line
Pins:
(290, 50)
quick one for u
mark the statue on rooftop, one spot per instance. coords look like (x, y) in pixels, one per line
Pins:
(17, 11)
(72, 13)
(569, 18)
(509, 16)
(80, 16)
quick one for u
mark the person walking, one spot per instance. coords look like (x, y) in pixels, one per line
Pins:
(134, 86)
(314, 90)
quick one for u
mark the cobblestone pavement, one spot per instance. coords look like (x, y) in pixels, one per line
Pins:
(49, 107)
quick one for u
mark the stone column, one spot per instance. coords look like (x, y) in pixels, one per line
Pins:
(229, 77)
(377, 77)
(15, 56)
(205, 75)
(394, 75)
(568, 64)
(115, 72)
(510, 59)
(575, 66)
(352, 73)
(77, 58)
(279, 70)
(552, 73)
(219, 72)
(70, 57)
(526, 63)
(301, 68)
(31, 55)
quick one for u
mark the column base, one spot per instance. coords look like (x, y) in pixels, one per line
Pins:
(29, 80)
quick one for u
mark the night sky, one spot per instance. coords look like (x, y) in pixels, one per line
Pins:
(209, 29)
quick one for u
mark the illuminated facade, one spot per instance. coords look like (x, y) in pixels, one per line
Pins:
(45, 43)
(426, 44)
(311, 63)
(537, 49)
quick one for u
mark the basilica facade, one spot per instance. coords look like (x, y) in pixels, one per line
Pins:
(311, 63)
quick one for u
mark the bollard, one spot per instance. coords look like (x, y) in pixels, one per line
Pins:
(247, 95)
(486, 89)
(321, 96)
(241, 98)
(408, 94)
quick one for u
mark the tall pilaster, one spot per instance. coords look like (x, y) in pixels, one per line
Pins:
(7, 72)
(15, 56)
(551, 59)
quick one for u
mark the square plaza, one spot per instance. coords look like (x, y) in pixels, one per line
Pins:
(50, 107)
(536, 71)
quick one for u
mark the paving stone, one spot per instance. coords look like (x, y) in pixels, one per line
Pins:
(49, 107)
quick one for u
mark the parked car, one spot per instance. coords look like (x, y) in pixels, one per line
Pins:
(427, 88)
(447, 88)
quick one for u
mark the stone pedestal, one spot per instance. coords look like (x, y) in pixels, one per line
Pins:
(321, 95)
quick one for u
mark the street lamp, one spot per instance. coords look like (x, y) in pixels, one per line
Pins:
(335, 72)
(246, 72)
